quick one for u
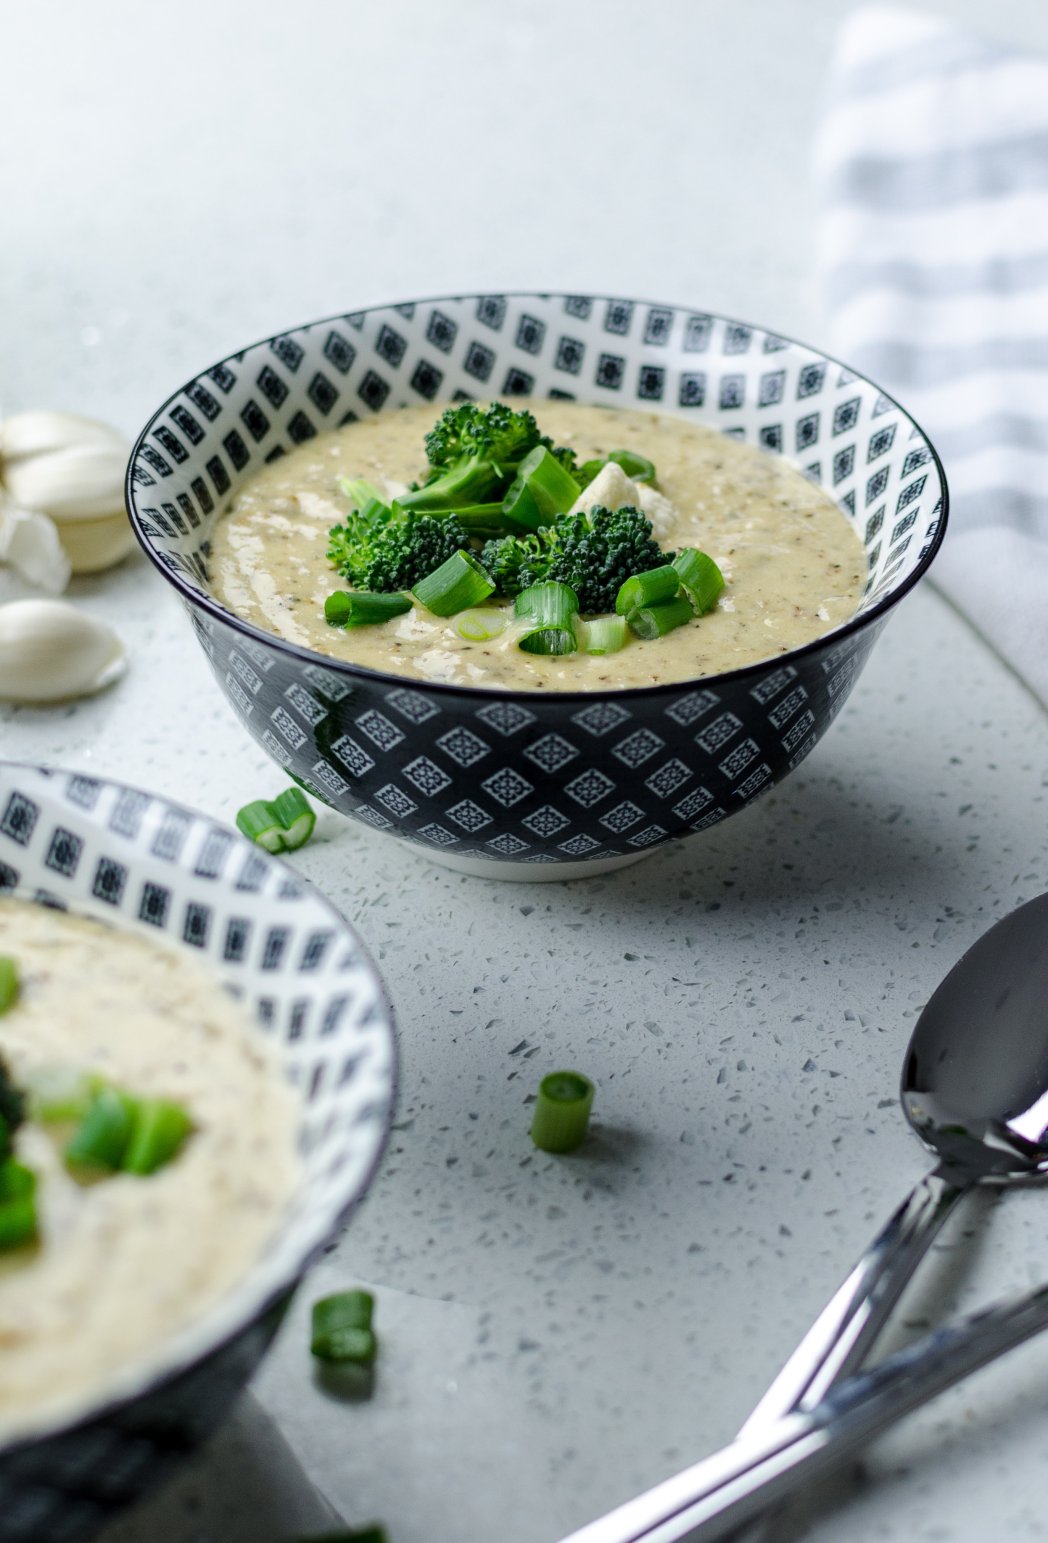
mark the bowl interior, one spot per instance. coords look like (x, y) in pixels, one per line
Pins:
(840, 429)
(160, 870)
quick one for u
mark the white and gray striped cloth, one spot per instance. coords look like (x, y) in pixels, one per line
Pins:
(932, 171)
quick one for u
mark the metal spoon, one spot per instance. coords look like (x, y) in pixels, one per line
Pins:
(975, 1090)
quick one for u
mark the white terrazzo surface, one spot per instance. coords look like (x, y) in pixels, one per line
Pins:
(556, 1332)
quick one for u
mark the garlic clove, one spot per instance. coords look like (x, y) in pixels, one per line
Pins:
(78, 482)
(92, 545)
(38, 432)
(29, 542)
(51, 651)
(71, 469)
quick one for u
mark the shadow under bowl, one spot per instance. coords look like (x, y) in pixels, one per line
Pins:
(526, 784)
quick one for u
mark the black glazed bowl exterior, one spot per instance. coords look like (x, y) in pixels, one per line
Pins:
(160, 870)
(514, 783)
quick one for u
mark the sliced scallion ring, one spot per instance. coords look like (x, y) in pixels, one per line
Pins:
(654, 621)
(100, 1140)
(159, 1129)
(260, 823)
(650, 588)
(601, 634)
(341, 1328)
(700, 578)
(562, 1111)
(296, 818)
(361, 608)
(637, 467)
(480, 625)
(455, 586)
(548, 611)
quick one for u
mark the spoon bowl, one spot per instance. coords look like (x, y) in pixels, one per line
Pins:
(975, 1076)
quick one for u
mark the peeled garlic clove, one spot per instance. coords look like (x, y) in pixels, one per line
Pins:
(29, 543)
(71, 469)
(50, 651)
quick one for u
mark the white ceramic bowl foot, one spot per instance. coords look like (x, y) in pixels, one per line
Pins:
(533, 873)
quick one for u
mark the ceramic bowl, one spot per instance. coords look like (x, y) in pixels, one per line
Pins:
(158, 869)
(514, 783)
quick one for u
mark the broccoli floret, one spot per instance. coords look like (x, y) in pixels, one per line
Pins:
(395, 553)
(594, 552)
(12, 1108)
(473, 455)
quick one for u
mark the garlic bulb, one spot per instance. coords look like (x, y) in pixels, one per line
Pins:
(50, 651)
(72, 470)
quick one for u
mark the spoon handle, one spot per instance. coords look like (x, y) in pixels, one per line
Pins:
(732, 1487)
(839, 1338)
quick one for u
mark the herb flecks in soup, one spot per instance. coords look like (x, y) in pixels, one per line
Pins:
(123, 1263)
(793, 566)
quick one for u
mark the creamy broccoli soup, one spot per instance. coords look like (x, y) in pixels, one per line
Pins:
(122, 1261)
(793, 566)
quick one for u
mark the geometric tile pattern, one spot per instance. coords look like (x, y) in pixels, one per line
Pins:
(137, 860)
(524, 775)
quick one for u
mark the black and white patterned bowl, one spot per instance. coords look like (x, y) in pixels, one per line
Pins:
(513, 783)
(158, 869)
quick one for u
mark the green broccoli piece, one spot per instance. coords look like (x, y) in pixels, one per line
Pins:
(473, 455)
(594, 552)
(12, 1108)
(393, 554)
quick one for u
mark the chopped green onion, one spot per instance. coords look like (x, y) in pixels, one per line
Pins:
(457, 584)
(654, 621)
(159, 1130)
(637, 467)
(649, 588)
(102, 1137)
(260, 824)
(297, 818)
(59, 1093)
(281, 826)
(549, 610)
(700, 578)
(361, 608)
(601, 635)
(9, 982)
(16, 1181)
(541, 490)
(562, 1112)
(478, 519)
(18, 1222)
(480, 626)
(342, 1328)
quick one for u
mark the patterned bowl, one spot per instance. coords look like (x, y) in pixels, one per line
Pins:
(525, 784)
(156, 868)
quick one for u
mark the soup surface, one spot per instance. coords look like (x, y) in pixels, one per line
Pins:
(125, 1262)
(793, 565)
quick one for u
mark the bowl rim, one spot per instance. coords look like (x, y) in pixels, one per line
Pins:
(344, 667)
(191, 1345)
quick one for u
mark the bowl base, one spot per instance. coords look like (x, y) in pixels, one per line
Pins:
(533, 873)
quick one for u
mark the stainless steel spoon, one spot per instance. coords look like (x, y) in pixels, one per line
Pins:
(975, 1090)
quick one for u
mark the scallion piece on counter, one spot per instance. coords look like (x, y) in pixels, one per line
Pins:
(282, 825)
(541, 490)
(259, 823)
(562, 1112)
(455, 586)
(654, 621)
(296, 818)
(549, 611)
(700, 578)
(361, 608)
(159, 1129)
(479, 626)
(101, 1139)
(341, 1328)
(18, 1223)
(602, 634)
(650, 588)
(637, 467)
(9, 982)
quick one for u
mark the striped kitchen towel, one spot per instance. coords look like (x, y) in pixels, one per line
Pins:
(932, 174)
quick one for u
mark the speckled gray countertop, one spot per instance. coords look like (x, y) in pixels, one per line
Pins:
(556, 1333)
